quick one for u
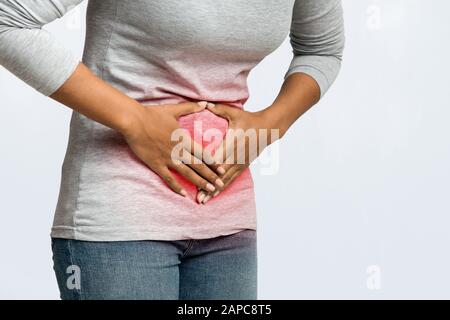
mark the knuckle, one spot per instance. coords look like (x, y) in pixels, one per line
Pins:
(208, 174)
(202, 183)
(213, 177)
(169, 179)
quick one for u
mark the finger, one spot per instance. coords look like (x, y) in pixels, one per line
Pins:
(227, 178)
(233, 169)
(171, 181)
(199, 152)
(202, 169)
(201, 195)
(184, 109)
(193, 177)
(206, 199)
(222, 110)
(203, 155)
(226, 153)
(230, 180)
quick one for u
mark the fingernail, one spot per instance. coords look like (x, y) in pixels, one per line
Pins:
(183, 193)
(210, 105)
(206, 199)
(219, 183)
(203, 104)
(221, 170)
(210, 187)
(200, 197)
(215, 194)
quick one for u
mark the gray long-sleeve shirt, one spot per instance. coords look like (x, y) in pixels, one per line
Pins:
(157, 52)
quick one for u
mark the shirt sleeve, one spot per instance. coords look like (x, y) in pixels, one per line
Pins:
(317, 38)
(30, 52)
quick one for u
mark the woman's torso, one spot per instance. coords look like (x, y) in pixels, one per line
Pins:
(160, 52)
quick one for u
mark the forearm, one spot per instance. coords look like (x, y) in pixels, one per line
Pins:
(89, 95)
(33, 55)
(297, 95)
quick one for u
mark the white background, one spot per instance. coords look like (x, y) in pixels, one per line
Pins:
(359, 207)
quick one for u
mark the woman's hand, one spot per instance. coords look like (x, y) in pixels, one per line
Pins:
(147, 130)
(248, 134)
(149, 135)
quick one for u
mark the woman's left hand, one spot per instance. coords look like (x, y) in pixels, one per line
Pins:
(248, 134)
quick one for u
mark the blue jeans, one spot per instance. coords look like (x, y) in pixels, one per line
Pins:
(217, 268)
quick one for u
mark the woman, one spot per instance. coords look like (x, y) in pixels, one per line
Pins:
(134, 219)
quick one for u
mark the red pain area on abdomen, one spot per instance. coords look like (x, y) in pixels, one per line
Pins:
(208, 130)
(205, 128)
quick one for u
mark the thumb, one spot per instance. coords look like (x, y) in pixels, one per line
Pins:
(221, 110)
(184, 109)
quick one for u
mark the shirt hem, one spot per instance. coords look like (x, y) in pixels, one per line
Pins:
(107, 235)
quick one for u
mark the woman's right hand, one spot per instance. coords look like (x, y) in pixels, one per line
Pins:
(149, 135)
(147, 130)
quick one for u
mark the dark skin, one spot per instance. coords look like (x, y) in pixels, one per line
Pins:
(148, 130)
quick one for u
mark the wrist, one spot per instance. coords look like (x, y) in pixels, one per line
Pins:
(130, 121)
(273, 119)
